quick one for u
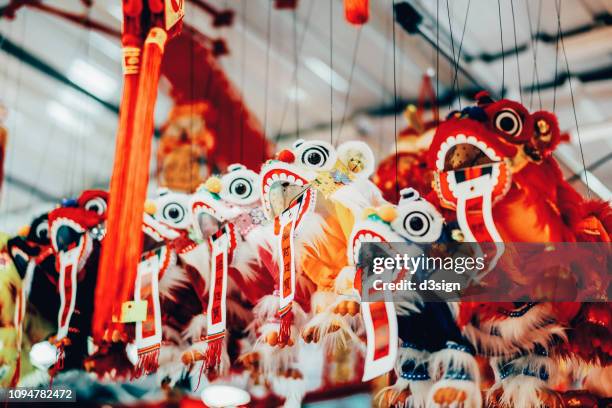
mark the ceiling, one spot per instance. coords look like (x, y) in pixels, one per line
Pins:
(61, 141)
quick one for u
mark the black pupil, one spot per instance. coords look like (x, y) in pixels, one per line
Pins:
(507, 123)
(416, 223)
(42, 233)
(314, 158)
(94, 208)
(173, 212)
(240, 188)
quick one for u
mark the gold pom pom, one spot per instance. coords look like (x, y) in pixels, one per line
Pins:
(150, 207)
(387, 213)
(24, 231)
(213, 184)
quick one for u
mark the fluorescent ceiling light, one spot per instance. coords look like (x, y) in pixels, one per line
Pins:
(67, 119)
(327, 74)
(92, 79)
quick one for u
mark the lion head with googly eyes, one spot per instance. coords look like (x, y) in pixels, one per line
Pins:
(413, 220)
(224, 198)
(293, 170)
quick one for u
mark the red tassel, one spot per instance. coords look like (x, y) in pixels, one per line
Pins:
(148, 363)
(212, 359)
(284, 332)
(123, 243)
(356, 11)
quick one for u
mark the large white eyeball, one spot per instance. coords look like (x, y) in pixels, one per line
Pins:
(509, 122)
(239, 186)
(418, 221)
(172, 209)
(97, 205)
(315, 155)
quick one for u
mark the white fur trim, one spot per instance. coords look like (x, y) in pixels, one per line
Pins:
(196, 329)
(520, 391)
(355, 147)
(445, 359)
(174, 278)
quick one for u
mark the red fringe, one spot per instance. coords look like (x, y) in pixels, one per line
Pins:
(212, 359)
(356, 11)
(284, 332)
(148, 363)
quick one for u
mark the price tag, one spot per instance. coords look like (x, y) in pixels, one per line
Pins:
(133, 311)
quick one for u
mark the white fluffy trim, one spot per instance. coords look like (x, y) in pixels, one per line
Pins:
(443, 360)
(291, 389)
(471, 389)
(170, 365)
(195, 330)
(520, 391)
(173, 279)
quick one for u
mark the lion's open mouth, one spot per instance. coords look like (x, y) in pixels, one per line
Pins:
(460, 152)
(465, 155)
(280, 188)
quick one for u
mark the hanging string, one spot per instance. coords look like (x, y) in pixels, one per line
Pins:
(516, 53)
(501, 39)
(535, 77)
(301, 47)
(267, 80)
(350, 83)
(569, 78)
(455, 63)
(242, 78)
(395, 104)
(382, 129)
(458, 61)
(331, 72)
(554, 107)
(437, 48)
(296, 67)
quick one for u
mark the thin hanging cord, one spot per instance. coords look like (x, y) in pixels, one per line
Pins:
(456, 75)
(437, 48)
(382, 128)
(350, 84)
(395, 105)
(301, 47)
(501, 39)
(554, 107)
(242, 79)
(535, 77)
(516, 52)
(296, 68)
(331, 72)
(265, 122)
(569, 78)
(455, 63)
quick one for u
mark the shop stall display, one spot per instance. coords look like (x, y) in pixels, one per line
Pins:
(219, 268)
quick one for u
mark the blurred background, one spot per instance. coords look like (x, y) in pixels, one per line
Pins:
(301, 74)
